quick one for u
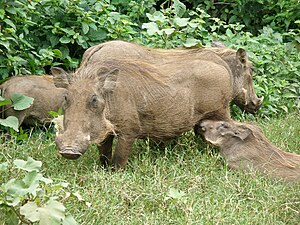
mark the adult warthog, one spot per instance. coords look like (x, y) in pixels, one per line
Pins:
(131, 99)
(245, 147)
(235, 61)
(47, 96)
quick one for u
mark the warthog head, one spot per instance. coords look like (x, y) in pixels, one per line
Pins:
(220, 132)
(85, 114)
(244, 93)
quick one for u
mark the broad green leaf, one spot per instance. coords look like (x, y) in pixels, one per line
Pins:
(179, 8)
(30, 211)
(21, 102)
(6, 44)
(3, 166)
(65, 40)
(190, 42)
(4, 101)
(10, 217)
(10, 23)
(152, 28)
(2, 13)
(97, 35)
(11, 122)
(157, 16)
(168, 31)
(32, 180)
(57, 53)
(52, 213)
(229, 32)
(29, 165)
(14, 190)
(85, 27)
(46, 180)
(68, 31)
(69, 220)
(290, 95)
(181, 22)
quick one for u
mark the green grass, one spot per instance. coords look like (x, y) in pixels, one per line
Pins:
(213, 194)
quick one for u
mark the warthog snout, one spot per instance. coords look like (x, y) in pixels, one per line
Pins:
(254, 106)
(70, 153)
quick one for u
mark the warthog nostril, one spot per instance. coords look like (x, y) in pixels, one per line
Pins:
(202, 127)
(70, 153)
(225, 125)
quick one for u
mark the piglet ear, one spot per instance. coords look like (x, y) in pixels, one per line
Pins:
(60, 77)
(243, 132)
(110, 80)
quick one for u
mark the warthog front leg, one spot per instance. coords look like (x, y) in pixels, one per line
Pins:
(122, 152)
(105, 151)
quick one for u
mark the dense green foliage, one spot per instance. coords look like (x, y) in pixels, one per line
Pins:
(34, 198)
(38, 34)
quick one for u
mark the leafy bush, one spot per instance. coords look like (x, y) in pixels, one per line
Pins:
(254, 14)
(33, 198)
(37, 34)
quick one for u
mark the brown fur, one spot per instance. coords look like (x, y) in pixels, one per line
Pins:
(133, 99)
(245, 147)
(46, 96)
(236, 62)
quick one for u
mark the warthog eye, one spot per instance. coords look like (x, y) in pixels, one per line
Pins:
(94, 101)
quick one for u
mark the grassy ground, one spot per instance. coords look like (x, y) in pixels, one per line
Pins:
(142, 194)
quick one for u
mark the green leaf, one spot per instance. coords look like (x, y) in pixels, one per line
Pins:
(157, 16)
(152, 28)
(10, 23)
(31, 181)
(175, 194)
(3, 166)
(57, 53)
(190, 42)
(4, 101)
(168, 31)
(97, 35)
(85, 27)
(2, 13)
(69, 220)
(14, 190)
(181, 22)
(289, 95)
(21, 102)
(6, 44)
(11, 122)
(29, 165)
(65, 40)
(52, 213)
(179, 8)
(31, 211)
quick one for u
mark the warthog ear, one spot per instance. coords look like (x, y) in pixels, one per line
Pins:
(242, 132)
(60, 77)
(110, 80)
(241, 55)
